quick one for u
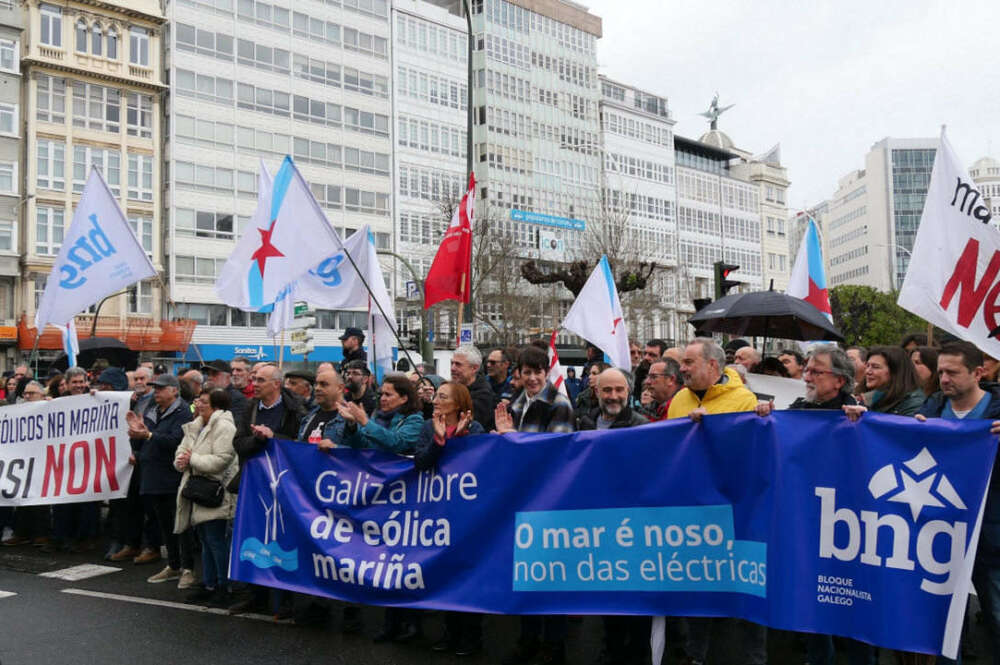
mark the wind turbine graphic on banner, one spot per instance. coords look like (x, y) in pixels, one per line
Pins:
(272, 514)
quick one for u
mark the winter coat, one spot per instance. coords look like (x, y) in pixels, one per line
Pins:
(989, 536)
(156, 454)
(212, 456)
(627, 418)
(247, 445)
(484, 401)
(393, 433)
(729, 395)
(550, 411)
(428, 452)
(368, 401)
(238, 404)
(836, 404)
(908, 405)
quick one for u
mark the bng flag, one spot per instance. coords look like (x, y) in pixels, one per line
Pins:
(99, 256)
(596, 316)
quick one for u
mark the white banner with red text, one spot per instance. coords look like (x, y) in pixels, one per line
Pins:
(952, 276)
(65, 450)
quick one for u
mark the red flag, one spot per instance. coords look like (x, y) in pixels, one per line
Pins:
(450, 276)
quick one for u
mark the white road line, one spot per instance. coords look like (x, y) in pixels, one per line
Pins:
(7, 594)
(81, 572)
(166, 603)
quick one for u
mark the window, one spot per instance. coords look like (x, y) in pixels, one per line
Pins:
(142, 227)
(138, 48)
(8, 55)
(51, 165)
(140, 298)
(8, 119)
(140, 177)
(203, 224)
(112, 44)
(139, 115)
(51, 32)
(8, 177)
(51, 99)
(197, 269)
(81, 36)
(108, 162)
(96, 107)
(49, 230)
(96, 40)
(6, 235)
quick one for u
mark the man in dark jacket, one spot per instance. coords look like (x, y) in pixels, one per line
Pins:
(352, 341)
(663, 381)
(626, 638)
(155, 437)
(220, 373)
(960, 368)
(498, 373)
(357, 388)
(465, 364)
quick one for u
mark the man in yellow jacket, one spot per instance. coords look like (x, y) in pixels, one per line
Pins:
(711, 388)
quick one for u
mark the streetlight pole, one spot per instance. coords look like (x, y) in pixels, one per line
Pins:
(426, 348)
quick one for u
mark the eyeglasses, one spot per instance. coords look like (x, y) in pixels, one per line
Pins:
(816, 372)
(656, 375)
(493, 362)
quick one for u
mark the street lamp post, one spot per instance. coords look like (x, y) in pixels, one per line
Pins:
(426, 348)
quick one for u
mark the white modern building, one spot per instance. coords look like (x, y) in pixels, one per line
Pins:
(429, 114)
(874, 214)
(255, 80)
(985, 172)
(638, 199)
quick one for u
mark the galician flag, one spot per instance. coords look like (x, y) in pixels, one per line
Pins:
(71, 343)
(288, 235)
(808, 280)
(450, 276)
(596, 316)
(99, 256)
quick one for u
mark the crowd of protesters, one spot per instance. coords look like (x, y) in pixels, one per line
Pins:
(192, 432)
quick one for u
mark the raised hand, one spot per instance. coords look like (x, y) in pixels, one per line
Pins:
(440, 427)
(504, 421)
(463, 423)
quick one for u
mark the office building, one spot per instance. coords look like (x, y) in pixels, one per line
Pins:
(874, 214)
(11, 188)
(255, 80)
(985, 172)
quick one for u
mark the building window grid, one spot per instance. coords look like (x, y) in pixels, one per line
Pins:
(108, 162)
(51, 167)
(49, 229)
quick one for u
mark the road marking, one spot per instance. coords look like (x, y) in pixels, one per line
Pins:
(7, 594)
(167, 603)
(81, 572)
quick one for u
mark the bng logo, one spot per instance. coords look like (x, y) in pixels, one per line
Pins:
(920, 485)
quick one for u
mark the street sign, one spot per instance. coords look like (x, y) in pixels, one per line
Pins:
(303, 349)
(300, 335)
(412, 292)
(304, 322)
(465, 335)
(301, 308)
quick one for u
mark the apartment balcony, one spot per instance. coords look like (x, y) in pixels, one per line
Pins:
(137, 332)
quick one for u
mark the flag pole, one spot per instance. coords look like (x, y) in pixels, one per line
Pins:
(281, 350)
(461, 312)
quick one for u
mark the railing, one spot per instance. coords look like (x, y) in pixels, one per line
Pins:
(139, 72)
(138, 333)
(50, 52)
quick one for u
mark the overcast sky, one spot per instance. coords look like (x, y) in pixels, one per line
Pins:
(826, 80)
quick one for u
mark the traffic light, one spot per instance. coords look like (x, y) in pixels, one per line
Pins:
(722, 282)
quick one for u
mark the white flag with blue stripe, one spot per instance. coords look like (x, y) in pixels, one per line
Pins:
(596, 316)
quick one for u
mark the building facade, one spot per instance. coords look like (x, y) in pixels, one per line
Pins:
(11, 185)
(638, 197)
(874, 214)
(91, 97)
(985, 172)
(772, 182)
(251, 82)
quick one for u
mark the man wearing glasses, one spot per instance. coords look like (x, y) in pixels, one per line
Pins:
(663, 381)
(356, 385)
(33, 392)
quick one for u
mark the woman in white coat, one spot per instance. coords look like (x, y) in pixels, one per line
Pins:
(207, 450)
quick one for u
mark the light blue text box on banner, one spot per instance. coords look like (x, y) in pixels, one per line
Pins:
(676, 548)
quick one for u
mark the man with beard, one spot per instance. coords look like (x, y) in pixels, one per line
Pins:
(356, 388)
(352, 341)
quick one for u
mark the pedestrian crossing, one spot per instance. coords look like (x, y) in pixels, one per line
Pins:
(7, 594)
(82, 572)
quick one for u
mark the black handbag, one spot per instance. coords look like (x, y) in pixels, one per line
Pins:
(204, 491)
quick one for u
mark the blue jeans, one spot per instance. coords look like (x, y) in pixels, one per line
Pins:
(214, 553)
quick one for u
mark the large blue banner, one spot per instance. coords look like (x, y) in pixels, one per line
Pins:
(801, 521)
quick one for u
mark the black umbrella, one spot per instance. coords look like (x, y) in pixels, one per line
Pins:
(92, 348)
(765, 314)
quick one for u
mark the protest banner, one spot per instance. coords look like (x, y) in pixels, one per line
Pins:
(66, 450)
(953, 281)
(801, 521)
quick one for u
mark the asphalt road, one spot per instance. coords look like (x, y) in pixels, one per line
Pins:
(117, 617)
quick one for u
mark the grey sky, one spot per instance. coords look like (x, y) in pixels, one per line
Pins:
(825, 79)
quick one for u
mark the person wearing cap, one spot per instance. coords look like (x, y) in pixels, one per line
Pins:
(300, 382)
(352, 339)
(112, 378)
(356, 388)
(220, 373)
(155, 437)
